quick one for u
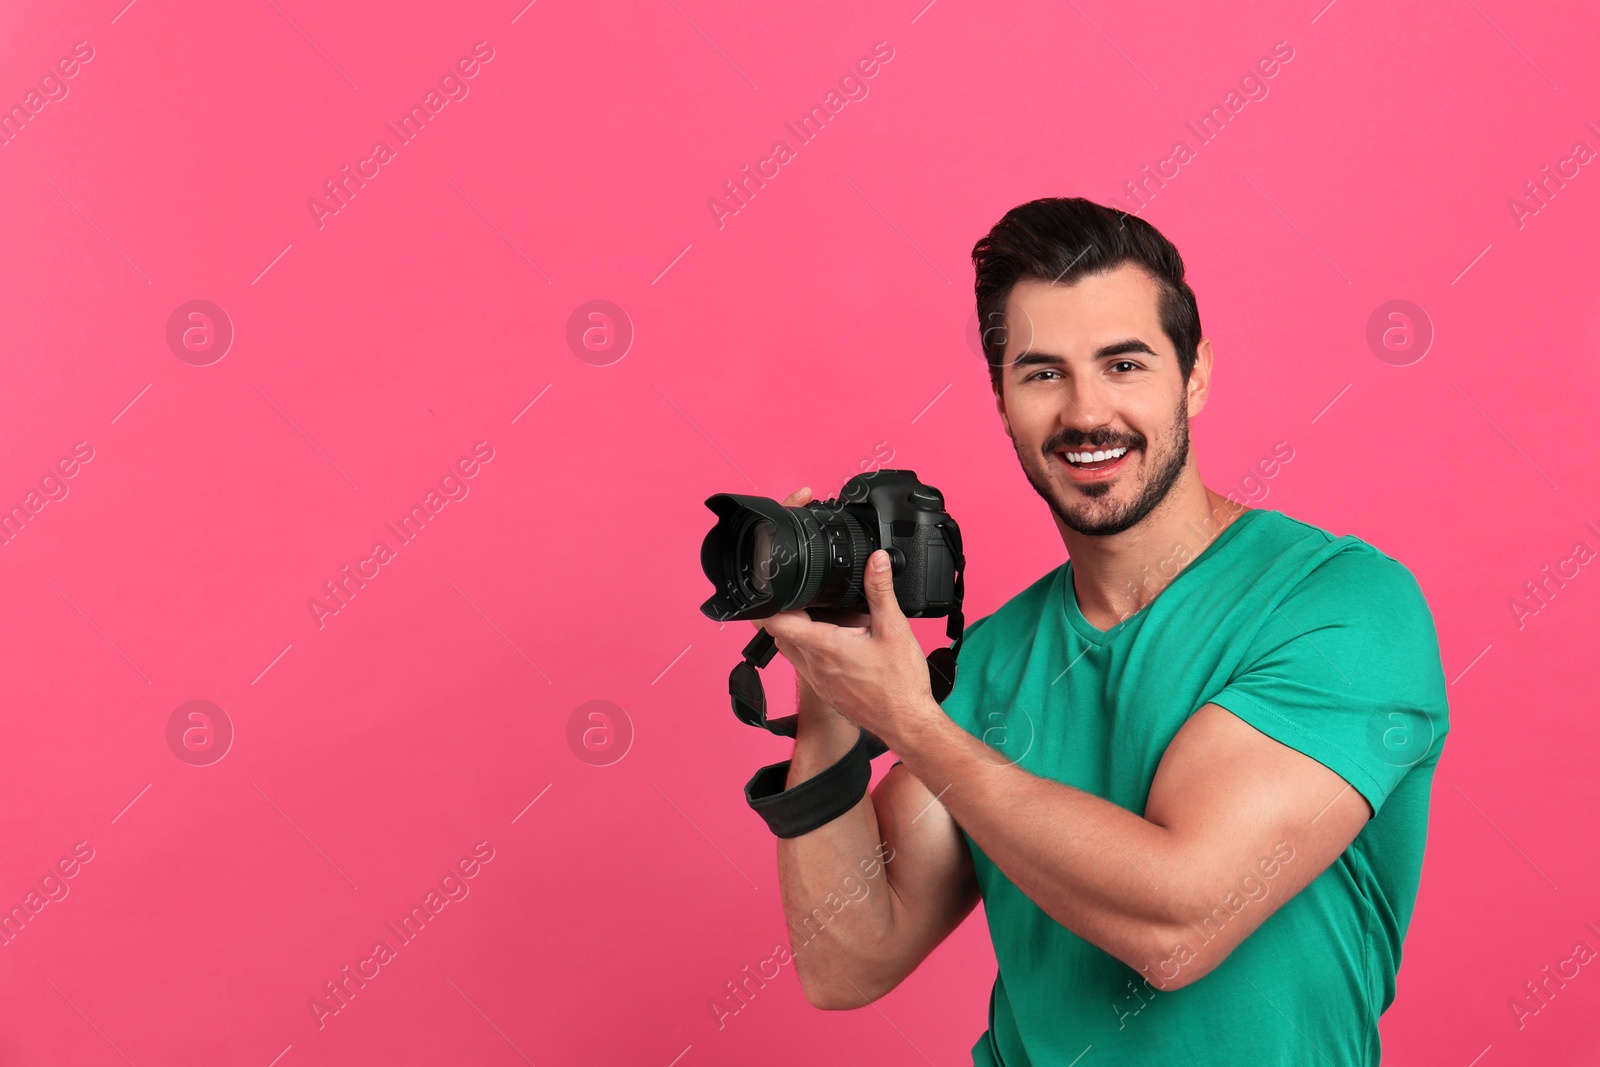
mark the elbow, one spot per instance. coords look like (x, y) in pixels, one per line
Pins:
(820, 994)
(1165, 963)
(837, 974)
(824, 1000)
(846, 985)
(1172, 955)
(831, 997)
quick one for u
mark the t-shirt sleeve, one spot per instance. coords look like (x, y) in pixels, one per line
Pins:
(1346, 670)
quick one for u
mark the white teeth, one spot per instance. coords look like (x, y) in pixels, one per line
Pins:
(1095, 457)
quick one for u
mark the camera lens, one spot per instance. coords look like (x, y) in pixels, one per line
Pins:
(765, 558)
(754, 553)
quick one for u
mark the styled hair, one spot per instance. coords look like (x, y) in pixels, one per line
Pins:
(1063, 239)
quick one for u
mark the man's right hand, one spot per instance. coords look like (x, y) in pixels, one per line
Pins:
(808, 703)
(889, 929)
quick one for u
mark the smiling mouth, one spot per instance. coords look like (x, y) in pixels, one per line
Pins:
(1093, 465)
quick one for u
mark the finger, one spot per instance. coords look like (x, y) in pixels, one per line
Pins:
(795, 626)
(886, 614)
(847, 619)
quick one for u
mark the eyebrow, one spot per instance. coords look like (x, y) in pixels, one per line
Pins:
(1118, 348)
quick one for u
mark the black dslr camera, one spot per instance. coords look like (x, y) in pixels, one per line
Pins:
(764, 558)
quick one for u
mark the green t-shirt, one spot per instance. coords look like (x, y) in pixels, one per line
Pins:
(1322, 643)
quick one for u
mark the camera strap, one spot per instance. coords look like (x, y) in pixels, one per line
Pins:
(749, 697)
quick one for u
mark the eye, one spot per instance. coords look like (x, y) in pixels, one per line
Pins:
(1125, 363)
(1036, 376)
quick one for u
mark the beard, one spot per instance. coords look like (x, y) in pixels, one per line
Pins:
(1084, 508)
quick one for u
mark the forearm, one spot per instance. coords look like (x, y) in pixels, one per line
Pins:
(834, 881)
(1110, 876)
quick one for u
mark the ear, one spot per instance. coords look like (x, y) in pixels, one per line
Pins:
(1200, 378)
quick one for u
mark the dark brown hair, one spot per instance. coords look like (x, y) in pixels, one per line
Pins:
(1062, 239)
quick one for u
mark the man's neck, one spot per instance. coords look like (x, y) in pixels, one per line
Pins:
(1117, 575)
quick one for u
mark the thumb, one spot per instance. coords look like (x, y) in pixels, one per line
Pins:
(886, 613)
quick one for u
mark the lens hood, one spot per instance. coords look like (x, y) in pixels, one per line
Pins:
(737, 596)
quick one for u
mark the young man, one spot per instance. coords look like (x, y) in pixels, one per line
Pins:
(1187, 770)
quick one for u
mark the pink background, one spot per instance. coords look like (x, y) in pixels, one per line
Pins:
(825, 323)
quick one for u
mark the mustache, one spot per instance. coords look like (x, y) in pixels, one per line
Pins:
(1076, 442)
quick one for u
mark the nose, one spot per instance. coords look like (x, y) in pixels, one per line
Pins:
(1085, 404)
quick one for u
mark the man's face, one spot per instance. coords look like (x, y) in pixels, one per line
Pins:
(1089, 369)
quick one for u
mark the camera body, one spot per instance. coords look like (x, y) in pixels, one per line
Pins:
(764, 558)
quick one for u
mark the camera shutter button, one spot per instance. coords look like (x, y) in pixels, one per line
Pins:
(927, 498)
